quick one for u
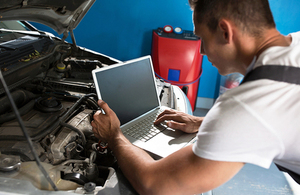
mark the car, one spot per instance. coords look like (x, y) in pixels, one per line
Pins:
(46, 139)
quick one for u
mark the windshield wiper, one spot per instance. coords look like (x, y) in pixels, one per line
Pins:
(24, 32)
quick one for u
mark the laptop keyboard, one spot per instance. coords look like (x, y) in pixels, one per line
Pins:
(145, 129)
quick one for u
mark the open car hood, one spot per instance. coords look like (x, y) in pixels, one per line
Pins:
(60, 15)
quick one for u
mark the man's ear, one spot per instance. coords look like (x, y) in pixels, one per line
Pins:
(226, 29)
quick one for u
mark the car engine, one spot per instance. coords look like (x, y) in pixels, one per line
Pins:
(51, 84)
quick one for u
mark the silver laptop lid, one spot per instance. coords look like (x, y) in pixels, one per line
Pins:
(129, 88)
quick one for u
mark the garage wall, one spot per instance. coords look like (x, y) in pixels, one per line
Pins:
(123, 30)
(286, 15)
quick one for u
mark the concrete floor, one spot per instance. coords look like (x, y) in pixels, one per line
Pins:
(254, 180)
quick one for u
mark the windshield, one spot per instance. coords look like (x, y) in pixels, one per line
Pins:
(11, 25)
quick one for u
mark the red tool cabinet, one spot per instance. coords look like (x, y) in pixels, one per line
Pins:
(177, 60)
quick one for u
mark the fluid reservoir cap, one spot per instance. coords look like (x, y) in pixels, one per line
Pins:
(178, 30)
(89, 187)
(168, 29)
(9, 162)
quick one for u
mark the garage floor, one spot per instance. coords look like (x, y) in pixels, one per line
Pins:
(254, 180)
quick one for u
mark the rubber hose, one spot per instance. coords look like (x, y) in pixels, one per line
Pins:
(24, 110)
(20, 97)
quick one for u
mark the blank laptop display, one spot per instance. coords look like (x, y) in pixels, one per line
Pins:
(129, 89)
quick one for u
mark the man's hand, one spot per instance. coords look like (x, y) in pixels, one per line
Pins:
(106, 126)
(180, 120)
(147, 176)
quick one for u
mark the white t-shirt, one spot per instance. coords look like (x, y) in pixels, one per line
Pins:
(259, 121)
(295, 38)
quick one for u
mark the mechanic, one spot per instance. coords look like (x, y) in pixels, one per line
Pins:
(256, 122)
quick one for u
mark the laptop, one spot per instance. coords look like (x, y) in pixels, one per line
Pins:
(130, 90)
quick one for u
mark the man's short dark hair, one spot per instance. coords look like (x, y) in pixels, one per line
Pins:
(252, 16)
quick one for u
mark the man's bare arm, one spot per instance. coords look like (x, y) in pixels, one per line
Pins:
(180, 173)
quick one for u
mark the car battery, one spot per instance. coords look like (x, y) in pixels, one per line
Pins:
(176, 59)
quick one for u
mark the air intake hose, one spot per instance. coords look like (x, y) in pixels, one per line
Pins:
(20, 98)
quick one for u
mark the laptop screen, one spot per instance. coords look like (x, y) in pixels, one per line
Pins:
(128, 88)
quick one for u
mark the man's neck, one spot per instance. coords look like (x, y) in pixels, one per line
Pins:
(253, 47)
(270, 39)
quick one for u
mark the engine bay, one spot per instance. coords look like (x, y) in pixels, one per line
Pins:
(51, 85)
(57, 121)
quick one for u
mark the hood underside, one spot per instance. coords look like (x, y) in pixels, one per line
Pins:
(60, 15)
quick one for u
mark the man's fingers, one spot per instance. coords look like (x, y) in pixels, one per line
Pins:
(93, 124)
(166, 112)
(163, 118)
(175, 125)
(96, 116)
(104, 106)
(174, 117)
